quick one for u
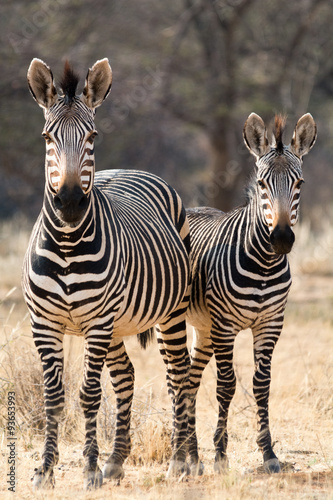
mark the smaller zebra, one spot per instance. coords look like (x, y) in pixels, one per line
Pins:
(241, 278)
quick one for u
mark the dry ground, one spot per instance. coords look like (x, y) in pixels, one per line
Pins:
(301, 404)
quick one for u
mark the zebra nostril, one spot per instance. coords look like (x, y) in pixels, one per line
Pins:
(57, 202)
(83, 203)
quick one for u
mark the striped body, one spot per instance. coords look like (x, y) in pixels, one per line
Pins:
(126, 261)
(241, 279)
(235, 273)
(108, 257)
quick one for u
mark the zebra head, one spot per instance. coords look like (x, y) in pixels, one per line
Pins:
(279, 174)
(69, 133)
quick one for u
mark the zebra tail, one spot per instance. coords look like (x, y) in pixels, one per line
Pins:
(145, 338)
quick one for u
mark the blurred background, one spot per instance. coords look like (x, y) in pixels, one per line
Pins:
(186, 74)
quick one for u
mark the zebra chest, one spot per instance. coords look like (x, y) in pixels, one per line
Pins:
(72, 292)
(250, 297)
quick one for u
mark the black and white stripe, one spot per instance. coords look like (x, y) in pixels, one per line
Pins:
(241, 279)
(105, 260)
(70, 142)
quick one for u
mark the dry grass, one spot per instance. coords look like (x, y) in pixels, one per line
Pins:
(301, 403)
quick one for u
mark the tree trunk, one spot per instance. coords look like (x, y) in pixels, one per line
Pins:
(228, 165)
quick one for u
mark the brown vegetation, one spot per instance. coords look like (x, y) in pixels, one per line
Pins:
(301, 402)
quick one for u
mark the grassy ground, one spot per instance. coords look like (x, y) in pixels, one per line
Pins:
(301, 403)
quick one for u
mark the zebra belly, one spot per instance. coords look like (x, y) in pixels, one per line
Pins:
(235, 312)
(128, 325)
(199, 318)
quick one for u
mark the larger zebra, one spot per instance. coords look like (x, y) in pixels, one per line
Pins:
(241, 278)
(108, 257)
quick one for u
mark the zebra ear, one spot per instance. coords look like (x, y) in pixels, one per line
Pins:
(304, 136)
(41, 84)
(98, 84)
(255, 135)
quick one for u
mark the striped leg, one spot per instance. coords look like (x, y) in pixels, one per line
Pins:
(201, 353)
(264, 341)
(171, 337)
(122, 377)
(223, 344)
(96, 348)
(50, 348)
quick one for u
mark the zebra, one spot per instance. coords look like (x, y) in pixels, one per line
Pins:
(108, 257)
(241, 278)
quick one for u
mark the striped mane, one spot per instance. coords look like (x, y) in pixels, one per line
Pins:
(250, 189)
(279, 126)
(68, 83)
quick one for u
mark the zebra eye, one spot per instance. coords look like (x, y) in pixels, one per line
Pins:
(92, 136)
(47, 137)
(261, 184)
(299, 183)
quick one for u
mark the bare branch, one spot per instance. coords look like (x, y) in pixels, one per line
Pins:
(229, 29)
(238, 12)
(192, 11)
(300, 34)
(206, 33)
(179, 112)
(167, 101)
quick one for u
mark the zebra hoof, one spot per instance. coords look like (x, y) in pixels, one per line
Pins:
(177, 468)
(93, 479)
(197, 469)
(272, 466)
(43, 480)
(112, 470)
(221, 466)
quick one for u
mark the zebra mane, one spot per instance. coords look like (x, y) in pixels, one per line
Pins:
(279, 126)
(68, 83)
(250, 189)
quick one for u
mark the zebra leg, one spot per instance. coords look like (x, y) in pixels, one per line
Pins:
(263, 346)
(96, 349)
(223, 345)
(122, 378)
(171, 337)
(201, 353)
(50, 348)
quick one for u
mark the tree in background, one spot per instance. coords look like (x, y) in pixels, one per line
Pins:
(231, 57)
(186, 76)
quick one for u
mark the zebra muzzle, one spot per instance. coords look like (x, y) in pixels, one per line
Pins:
(282, 239)
(71, 203)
